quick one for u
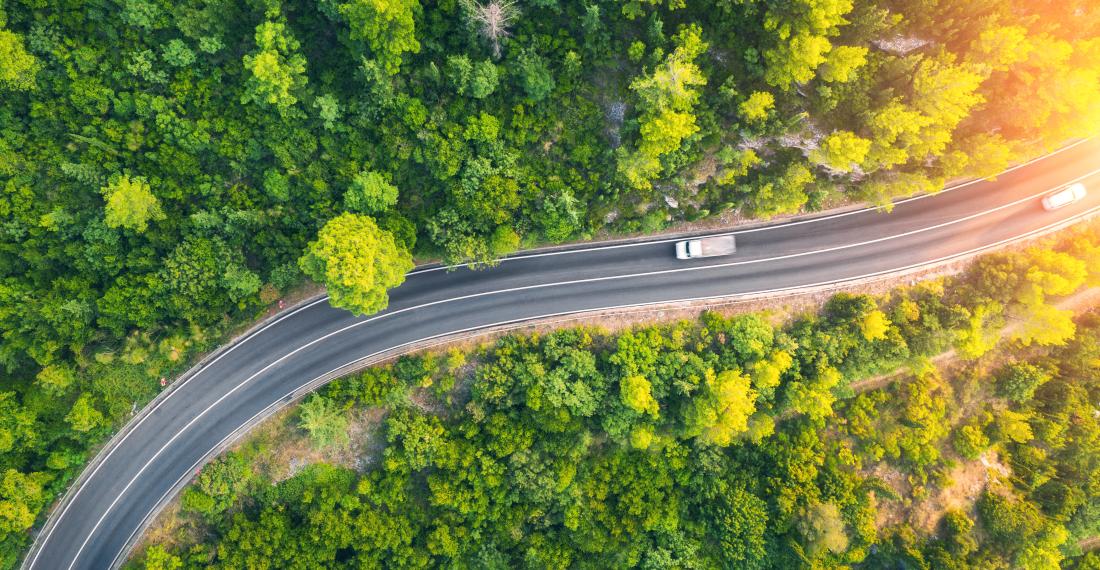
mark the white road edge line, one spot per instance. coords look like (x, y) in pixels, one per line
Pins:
(112, 445)
(762, 228)
(529, 287)
(127, 430)
(354, 362)
(753, 261)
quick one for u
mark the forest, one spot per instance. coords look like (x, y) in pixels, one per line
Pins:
(726, 442)
(169, 170)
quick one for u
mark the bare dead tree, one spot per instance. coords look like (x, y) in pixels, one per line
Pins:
(492, 19)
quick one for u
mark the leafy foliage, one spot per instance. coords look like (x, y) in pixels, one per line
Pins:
(666, 100)
(1019, 381)
(386, 26)
(165, 165)
(325, 423)
(277, 69)
(654, 446)
(357, 261)
(370, 193)
(19, 67)
(130, 204)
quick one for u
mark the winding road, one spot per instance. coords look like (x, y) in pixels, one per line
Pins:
(160, 450)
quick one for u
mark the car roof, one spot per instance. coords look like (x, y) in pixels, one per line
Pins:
(1063, 196)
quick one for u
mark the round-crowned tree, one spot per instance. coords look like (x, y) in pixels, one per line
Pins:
(357, 261)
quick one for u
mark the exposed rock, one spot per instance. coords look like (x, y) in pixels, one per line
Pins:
(756, 143)
(806, 140)
(900, 45)
(616, 112)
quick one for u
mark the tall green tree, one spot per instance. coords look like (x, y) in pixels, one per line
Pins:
(387, 27)
(666, 99)
(326, 424)
(370, 193)
(722, 409)
(635, 392)
(21, 497)
(843, 151)
(801, 30)
(276, 69)
(131, 204)
(357, 262)
(17, 67)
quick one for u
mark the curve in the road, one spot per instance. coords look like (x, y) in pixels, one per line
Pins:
(148, 462)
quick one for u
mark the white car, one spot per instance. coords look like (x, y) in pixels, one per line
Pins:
(1064, 196)
(710, 246)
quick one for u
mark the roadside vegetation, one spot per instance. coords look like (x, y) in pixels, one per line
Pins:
(727, 442)
(170, 169)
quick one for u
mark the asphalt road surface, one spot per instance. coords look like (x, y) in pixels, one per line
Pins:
(164, 446)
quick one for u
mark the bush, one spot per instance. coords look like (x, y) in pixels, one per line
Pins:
(326, 424)
(375, 386)
(1018, 381)
(970, 441)
(218, 486)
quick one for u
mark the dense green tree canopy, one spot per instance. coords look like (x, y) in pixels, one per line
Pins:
(666, 99)
(357, 261)
(130, 204)
(19, 67)
(386, 26)
(164, 166)
(581, 448)
(277, 69)
(841, 150)
(370, 193)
